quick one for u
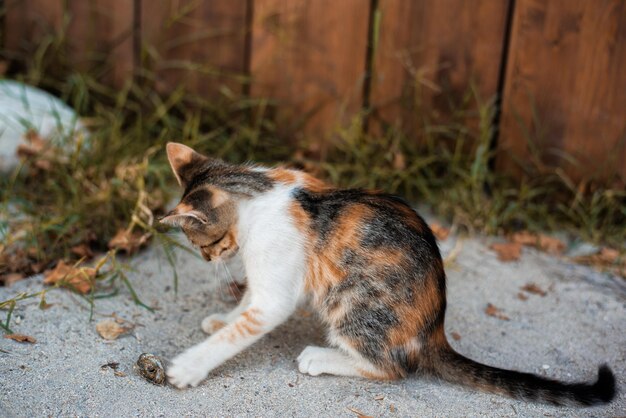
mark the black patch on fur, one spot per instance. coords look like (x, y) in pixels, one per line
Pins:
(367, 323)
(459, 369)
(231, 178)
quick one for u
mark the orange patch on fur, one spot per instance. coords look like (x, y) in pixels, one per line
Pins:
(314, 184)
(414, 316)
(323, 267)
(300, 218)
(246, 325)
(380, 375)
(282, 175)
(182, 208)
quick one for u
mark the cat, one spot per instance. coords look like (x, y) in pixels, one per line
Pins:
(365, 260)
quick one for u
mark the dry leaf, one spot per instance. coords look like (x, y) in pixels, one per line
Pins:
(455, 336)
(440, 232)
(543, 242)
(533, 288)
(128, 241)
(522, 296)
(399, 160)
(39, 150)
(9, 279)
(82, 250)
(110, 329)
(359, 413)
(110, 365)
(392, 408)
(524, 238)
(608, 259)
(491, 310)
(551, 245)
(21, 338)
(608, 255)
(80, 279)
(507, 251)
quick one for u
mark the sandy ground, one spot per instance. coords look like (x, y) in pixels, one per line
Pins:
(580, 323)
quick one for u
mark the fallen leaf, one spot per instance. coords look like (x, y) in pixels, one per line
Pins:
(110, 329)
(608, 255)
(524, 238)
(392, 408)
(399, 161)
(440, 232)
(80, 279)
(21, 338)
(110, 365)
(359, 413)
(128, 241)
(550, 245)
(543, 242)
(507, 251)
(522, 296)
(82, 250)
(533, 288)
(455, 336)
(38, 150)
(11, 278)
(491, 310)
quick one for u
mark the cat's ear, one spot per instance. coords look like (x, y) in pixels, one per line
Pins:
(184, 161)
(219, 197)
(181, 214)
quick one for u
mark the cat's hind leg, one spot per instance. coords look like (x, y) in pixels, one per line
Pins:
(322, 360)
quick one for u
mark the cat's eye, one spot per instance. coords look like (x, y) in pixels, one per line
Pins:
(214, 242)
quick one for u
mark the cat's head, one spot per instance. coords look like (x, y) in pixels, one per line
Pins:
(207, 213)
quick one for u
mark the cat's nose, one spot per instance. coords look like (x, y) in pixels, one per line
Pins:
(205, 254)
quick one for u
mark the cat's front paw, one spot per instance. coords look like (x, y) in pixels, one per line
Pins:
(186, 369)
(213, 322)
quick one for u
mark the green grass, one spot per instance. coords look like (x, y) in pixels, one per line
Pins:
(98, 187)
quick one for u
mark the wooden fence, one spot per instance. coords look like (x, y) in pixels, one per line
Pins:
(559, 66)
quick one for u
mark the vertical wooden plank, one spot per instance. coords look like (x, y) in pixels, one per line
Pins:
(27, 21)
(200, 44)
(565, 87)
(308, 56)
(100, 36)
(430, 51)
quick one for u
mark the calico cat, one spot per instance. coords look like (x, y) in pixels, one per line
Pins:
(365, 260)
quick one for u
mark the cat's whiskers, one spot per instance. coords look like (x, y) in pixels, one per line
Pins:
(231, 281)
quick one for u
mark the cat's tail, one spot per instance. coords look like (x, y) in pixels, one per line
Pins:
(453, 367)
